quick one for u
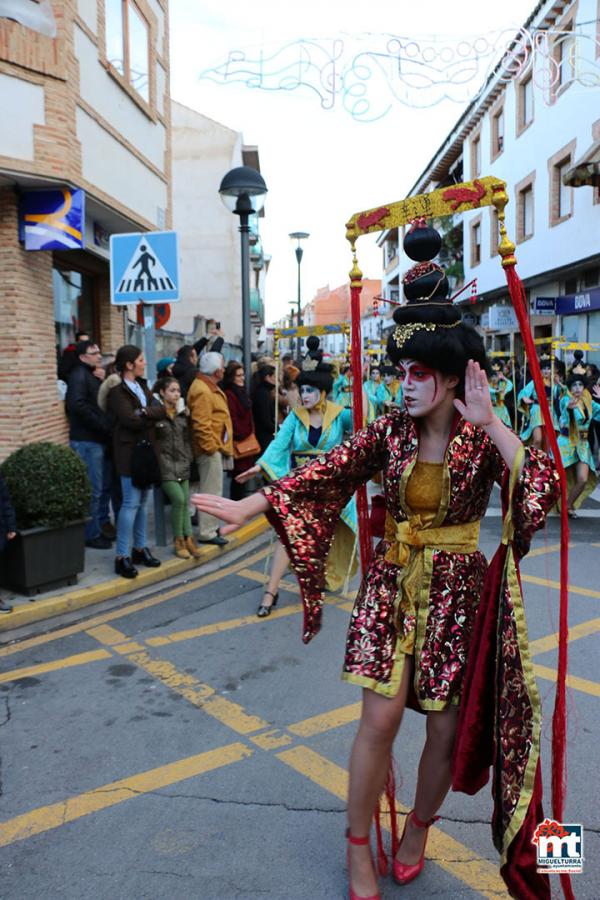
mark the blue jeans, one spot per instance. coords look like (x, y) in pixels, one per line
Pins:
(92, 454)
(131, 524)
(111, 491)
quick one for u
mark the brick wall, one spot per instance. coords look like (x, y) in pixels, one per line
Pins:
(112, 327)
(30, 409)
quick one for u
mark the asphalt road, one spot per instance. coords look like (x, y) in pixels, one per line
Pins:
(178, 747)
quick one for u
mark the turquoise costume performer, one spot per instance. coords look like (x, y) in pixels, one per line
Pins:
(532, 415)
(499, 388)
(297, 442)
(578, 410)
(390, 391)
(371, 386)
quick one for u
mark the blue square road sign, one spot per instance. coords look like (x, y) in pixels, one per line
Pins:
(144, 267)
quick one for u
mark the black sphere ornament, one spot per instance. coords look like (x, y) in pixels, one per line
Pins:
(422, 243)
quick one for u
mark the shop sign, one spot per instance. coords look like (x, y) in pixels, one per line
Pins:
(52, 220)
(543, 306)
(502, 318)
(572, 304)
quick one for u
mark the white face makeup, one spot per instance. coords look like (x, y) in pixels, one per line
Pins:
(423, 388)
(375, 375)
(577, 389)
(387, 379)
(309, 395)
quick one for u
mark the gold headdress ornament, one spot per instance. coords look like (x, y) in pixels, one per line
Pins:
(403, 333)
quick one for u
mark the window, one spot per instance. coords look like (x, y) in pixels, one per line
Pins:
(525, 213)
(497, 133)
(74, 306)
(524, 104)
(128, 44)
(476, 243)
(476, 157)
(565, 196)
(565, 56)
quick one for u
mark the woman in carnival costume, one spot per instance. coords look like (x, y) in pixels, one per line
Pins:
(389, 393)
(532, 430)
(578, 411)
(371, 386)
(309, 431)
(500, 386)
(409, 635)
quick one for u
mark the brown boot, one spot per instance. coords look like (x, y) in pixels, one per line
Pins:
(181, 550)
(193, 547)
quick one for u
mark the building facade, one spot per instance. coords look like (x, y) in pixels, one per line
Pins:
(532, 122)
(203, 152)
(331, 306)
(85, 152)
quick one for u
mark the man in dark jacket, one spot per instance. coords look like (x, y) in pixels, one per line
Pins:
(89, 431)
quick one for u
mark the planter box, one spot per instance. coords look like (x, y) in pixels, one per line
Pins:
(40, 559)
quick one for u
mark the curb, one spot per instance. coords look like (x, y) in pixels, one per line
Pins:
(79, 598)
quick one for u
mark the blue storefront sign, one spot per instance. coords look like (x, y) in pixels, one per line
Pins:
(52, 220)
(543, 306)
(573, 304)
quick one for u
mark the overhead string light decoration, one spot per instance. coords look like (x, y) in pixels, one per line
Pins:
(368, 74)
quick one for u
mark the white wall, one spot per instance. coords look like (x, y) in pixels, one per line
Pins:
(107, 164)
(88, 10)
(21, 107)
(203, 152)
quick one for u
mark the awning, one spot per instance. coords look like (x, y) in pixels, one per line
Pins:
(586, 170)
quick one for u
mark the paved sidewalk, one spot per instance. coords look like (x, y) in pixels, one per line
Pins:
(98, 581)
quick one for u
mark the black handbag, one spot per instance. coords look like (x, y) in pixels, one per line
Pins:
(145, 468)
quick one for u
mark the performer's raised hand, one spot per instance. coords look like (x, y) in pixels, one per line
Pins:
(596, 391)
(235, 512)
(477, 407)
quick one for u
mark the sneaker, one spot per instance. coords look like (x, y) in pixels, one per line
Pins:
(99, 543)
(5, 607)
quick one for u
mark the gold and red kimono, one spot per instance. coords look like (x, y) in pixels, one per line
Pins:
(421, 593)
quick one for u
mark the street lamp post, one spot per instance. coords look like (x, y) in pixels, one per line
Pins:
(299, 236)
(243, 192)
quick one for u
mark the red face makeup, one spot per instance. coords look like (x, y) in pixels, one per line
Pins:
(419, 385)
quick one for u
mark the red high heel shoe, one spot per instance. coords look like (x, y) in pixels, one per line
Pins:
(403, 874)
(358, 842)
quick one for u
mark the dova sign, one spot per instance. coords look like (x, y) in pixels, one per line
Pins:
(571, 304)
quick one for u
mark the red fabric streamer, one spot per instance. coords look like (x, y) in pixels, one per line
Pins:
(559, 718)
(362, 506)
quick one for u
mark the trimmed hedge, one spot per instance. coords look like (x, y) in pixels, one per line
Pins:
(48, 485)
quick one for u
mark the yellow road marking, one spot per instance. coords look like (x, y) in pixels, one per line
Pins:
(343, 715)
(201, 695)
(134, 607)
(106, 634)
(217, 627)
(445, 851)
(79, 659)
(271, 740)
(546, 582)
(550, 642)
(47, 817)
(578, 684)
(541, 551)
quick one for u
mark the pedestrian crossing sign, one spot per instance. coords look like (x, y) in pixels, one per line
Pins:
(144, 267)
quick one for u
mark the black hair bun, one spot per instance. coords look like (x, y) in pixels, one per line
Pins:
(578, 355)
(313, 342)
(422, 241)
(425, 281)
(321, 377)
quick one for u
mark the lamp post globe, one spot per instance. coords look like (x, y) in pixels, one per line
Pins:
(243, 191)
(299, 236)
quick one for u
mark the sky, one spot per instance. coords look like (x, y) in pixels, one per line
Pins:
(321, 165)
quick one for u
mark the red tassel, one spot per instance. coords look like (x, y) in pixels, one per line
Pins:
(559, 718)
(362, 506)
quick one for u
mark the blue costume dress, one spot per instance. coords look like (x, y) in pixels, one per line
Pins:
(371, 387)
(533, 414)
(498, 393)
(389, 393)
(297, 442)
(573, 439)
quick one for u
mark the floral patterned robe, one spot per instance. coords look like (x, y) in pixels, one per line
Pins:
(305, 506)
